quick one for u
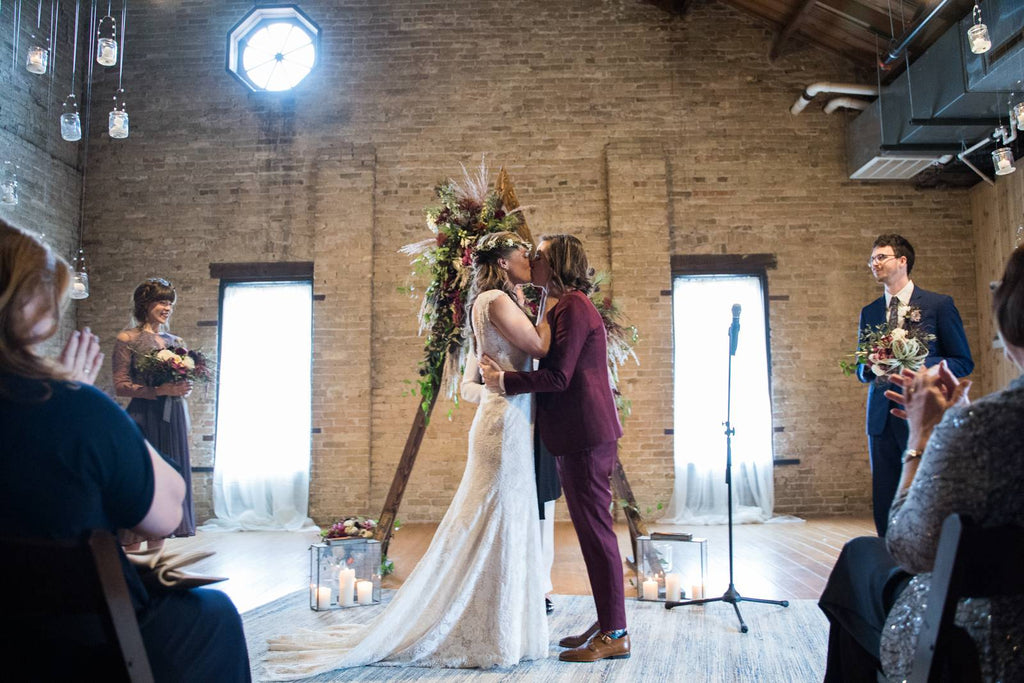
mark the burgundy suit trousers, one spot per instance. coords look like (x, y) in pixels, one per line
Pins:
(586, 483)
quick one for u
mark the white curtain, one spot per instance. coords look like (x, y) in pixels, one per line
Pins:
(702, 314)
(261, 472)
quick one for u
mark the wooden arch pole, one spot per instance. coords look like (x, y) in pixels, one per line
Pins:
(386, 523)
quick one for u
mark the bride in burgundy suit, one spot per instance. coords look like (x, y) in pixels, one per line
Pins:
(578, 422)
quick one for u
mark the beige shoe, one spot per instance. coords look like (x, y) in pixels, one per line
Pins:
(580, 640)
(601, 646)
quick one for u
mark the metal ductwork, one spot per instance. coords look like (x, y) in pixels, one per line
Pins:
(948, 99)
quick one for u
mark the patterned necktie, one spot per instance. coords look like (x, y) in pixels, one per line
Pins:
(894, 313)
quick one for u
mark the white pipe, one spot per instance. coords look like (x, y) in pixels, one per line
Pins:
(846, 103)
(962, 156)
(842, 88)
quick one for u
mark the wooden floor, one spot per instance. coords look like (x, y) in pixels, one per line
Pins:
(779, 561)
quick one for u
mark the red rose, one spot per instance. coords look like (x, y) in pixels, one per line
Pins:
(467, 256)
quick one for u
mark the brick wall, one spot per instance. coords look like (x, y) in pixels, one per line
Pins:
(634, 129)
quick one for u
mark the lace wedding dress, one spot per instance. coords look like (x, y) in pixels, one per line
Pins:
(476, 598)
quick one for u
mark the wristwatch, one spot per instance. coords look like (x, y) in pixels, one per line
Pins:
(911, 454)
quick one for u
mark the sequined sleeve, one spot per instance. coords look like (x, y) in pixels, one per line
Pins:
(952, 477)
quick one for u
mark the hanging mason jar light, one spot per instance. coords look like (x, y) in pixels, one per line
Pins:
(9, 184)
(117, 123)
(106, 41)
(1002, 159)
(38, 60)
(1017, 115)
(977, 35)
(70, 122)
(80, 279)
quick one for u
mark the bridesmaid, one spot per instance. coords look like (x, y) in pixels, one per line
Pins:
(160, 411)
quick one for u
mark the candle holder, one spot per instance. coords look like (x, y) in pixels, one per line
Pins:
(9, 184)
(1017, 115)
(106, 41)
(117, 122)
(1002, 159)
(344, 572)
(38, 59)
(977, 35)
(70, 123)
(80, 278)
(671, 566)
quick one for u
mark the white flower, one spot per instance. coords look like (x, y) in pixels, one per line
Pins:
(898, 334)
(165, 354)
(188, 362)
(367, 534)
(878, 369)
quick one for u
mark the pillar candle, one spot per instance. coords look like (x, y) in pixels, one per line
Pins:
(673, 586)
(365, 591)
(650, 589)
(346, 586)
(696, 593)
(323, 597)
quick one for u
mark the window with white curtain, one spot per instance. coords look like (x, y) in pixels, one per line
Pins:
(262, 453)
(702, 314)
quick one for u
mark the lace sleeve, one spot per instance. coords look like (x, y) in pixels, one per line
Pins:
(472, 388)
(121, 364)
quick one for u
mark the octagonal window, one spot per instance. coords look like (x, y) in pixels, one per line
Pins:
(273, 48)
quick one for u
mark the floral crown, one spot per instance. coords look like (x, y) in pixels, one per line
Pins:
(494, 250)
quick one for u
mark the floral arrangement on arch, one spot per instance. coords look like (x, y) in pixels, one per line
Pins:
(465, 212)
(887, 350)
(176, 364)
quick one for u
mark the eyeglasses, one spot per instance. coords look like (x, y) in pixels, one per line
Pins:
(879, 259)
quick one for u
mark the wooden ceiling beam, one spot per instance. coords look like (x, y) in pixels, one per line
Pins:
(791, 27)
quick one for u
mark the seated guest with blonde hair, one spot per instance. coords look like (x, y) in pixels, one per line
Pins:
(961, 457)
(71, 461)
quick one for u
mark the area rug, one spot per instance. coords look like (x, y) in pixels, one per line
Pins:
(785, 644)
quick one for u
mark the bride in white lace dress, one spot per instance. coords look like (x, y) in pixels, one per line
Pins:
(476, 598)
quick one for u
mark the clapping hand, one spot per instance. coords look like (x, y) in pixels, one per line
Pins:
(81, 357)
(927, 395)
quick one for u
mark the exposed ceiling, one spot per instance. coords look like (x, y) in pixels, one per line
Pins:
(864, 32)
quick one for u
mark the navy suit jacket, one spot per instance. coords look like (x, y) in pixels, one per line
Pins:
(938, 316)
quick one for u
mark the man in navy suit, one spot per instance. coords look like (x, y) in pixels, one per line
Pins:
(892, 259)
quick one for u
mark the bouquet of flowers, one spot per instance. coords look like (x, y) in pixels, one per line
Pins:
(351, 527)
(176, 364)
(532, 298)
(887, 350)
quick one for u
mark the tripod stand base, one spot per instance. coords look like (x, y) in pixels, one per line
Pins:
(732, 597)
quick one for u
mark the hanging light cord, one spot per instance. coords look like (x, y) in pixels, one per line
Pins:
(14, 39)
(85, 126)
(124, 22)
(74, 53)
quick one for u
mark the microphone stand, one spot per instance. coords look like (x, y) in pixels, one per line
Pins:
(731, 595)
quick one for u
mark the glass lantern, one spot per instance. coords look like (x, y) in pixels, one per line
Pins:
(9, 185)
(344, 572)
(70, 123)
(80, 278)
(671, 567)
(38, 59)
(1002, 159)
(977, 35)
(106, 41)
(117, 122)
(1017, 115)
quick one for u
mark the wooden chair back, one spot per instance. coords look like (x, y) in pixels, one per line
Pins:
(58, 586)
(971, 562)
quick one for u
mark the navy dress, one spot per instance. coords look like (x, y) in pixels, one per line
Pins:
(71, 461)
(162, 419)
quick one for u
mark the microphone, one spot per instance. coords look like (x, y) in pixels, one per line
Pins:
(734, 329)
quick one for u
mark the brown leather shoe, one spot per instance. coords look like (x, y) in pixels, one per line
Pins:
(601, 646)
(581, 639)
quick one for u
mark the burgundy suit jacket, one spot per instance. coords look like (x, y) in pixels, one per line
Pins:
(575, 407)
